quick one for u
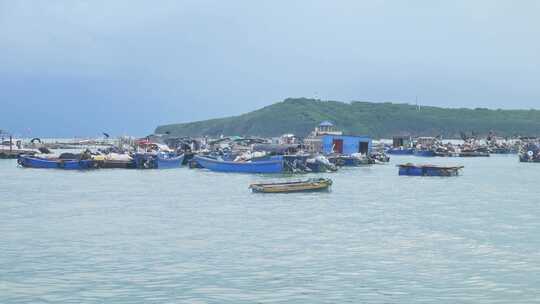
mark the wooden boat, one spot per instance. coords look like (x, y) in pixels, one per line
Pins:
(428, 170)
(313, 184)
(273, 165)
(55, 163)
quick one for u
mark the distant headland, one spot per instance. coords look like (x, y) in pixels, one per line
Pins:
(380, 120)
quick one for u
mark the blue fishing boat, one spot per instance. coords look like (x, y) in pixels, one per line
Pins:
(401, 145)
(428, 170)
(167, 161)
(274, 165)
(400, 151)
(159, 160)
(55, 163)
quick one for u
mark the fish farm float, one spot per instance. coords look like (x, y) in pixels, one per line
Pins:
(325, 149)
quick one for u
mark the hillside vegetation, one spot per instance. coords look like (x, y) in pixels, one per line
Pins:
(380, 120)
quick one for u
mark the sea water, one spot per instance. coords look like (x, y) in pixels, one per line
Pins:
(194, 236)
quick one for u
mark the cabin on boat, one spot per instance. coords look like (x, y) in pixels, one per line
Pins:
(401, 141)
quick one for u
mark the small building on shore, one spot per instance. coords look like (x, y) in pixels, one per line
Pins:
(346, 144)
(327, 139)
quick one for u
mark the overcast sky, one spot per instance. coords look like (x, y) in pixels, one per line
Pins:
(71, 68)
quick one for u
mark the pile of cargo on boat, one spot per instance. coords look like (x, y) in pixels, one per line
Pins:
(530, 151)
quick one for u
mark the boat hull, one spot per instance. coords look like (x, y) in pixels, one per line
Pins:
(311, 185)
(169, 163)
(267, 166)
(400, 151)
(65, 164)
(115, 164)
(473, 154)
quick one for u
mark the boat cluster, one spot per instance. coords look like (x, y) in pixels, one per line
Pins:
(224, 154)
(149, 156)
(324, 150)
(469, 147)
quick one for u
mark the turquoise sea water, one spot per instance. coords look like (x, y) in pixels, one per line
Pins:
(193, 236)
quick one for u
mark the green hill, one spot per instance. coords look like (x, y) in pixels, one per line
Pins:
(380, 120)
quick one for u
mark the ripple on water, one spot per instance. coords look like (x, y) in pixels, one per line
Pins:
(192, 236)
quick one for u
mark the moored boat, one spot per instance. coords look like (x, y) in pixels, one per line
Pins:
(158, 160)
(353, 160)
(55, 163)
(401, 145)
(428, 170)
(273, 165)
(114, 160)
(313, 184)
(400, 151)
(166, 161)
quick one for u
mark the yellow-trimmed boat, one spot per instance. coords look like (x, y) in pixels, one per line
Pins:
(312, 184)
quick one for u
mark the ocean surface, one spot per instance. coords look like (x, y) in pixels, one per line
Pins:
(193, 236)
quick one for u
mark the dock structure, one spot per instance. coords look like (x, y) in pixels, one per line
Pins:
(10, 150)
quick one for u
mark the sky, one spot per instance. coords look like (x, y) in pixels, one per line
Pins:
(79, 68)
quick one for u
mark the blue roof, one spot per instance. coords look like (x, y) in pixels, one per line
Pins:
(326, 123)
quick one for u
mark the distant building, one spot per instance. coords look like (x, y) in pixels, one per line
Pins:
(287, 139)
(326, 128)
(327, 139)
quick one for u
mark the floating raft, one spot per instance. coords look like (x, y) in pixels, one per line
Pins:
(425, 153)
(313, 184)
(14, 153)
(429, 170)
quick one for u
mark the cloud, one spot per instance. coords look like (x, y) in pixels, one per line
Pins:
(201, 59)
